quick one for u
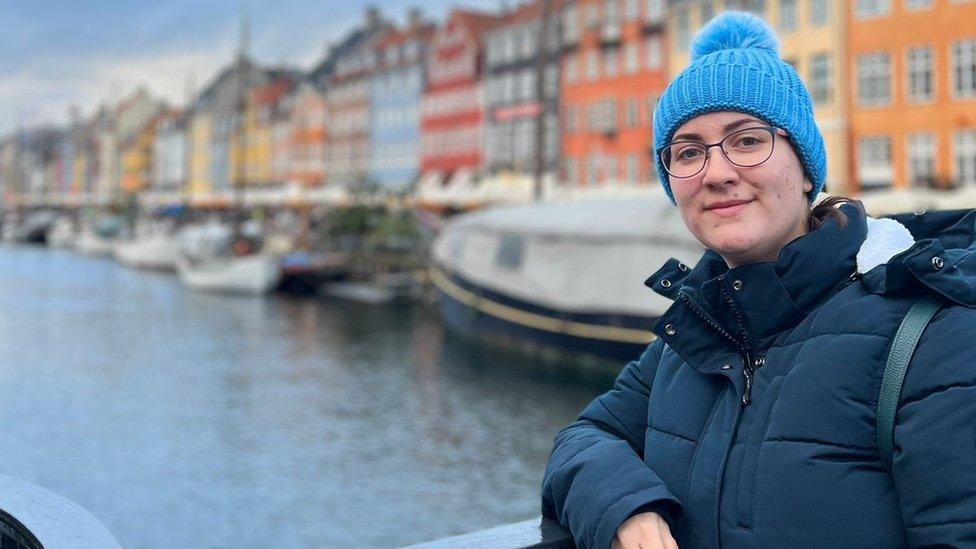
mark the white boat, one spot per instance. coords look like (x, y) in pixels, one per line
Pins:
(98, 239)
(560, 276)
(254, 274)
(206, 262)
(152, 252)
(92, 244)
(62, 234)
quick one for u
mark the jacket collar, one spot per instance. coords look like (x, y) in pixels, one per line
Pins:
(719, 313)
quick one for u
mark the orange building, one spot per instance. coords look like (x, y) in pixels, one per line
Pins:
(912, 69)
(613, 71)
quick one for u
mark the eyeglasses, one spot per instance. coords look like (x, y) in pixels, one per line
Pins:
(745, 148)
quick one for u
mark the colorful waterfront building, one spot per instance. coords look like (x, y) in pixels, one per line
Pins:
(137, 155)
(307, 134)
(348, 102)
(169, 156)
(217, 133)
(264, 108)
(513, 105)
(396, 89)
(614, 68)
(812, 38)
(198, 138)
(452, 111)
(913, 102)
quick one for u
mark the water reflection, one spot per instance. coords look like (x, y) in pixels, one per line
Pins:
(184, 419)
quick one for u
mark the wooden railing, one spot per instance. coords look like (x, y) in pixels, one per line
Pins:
(539, 533)
(32, 517)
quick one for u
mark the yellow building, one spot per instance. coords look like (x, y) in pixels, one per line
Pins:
(198, 142)
(137, 158)
(264, 103)
(79, 171)
(811, 35)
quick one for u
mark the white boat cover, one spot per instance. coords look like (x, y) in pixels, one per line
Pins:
(583, 256)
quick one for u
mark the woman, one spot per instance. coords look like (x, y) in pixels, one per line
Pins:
(751, 421)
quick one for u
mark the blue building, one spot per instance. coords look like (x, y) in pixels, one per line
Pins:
(396, 89)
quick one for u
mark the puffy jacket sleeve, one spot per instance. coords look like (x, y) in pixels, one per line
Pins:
(596, 477)
(934, 462)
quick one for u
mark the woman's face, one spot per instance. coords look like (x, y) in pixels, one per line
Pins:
(746, 215)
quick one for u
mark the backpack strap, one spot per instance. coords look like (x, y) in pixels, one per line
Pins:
(902, 348)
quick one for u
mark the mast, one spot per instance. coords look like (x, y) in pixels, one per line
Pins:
(242, 81)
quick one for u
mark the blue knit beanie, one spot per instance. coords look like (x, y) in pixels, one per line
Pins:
(735, 66)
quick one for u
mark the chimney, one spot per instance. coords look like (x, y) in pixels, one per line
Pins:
(372, 17)
(415, 16)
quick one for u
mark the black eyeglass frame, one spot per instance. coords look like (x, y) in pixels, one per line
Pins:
(773, 131)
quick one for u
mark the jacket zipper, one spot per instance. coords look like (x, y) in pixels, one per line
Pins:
(744, 353)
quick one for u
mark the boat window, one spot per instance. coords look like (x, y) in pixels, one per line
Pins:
(509, 252)
(457, 248)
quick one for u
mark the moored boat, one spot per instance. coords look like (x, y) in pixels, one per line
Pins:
(560, 276)
(152, 252)
(210, 260)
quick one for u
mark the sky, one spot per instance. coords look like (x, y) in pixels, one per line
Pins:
(59, 54)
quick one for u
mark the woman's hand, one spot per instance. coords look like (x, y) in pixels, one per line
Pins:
(644, 531)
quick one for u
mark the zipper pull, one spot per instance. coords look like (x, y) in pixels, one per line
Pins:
(747, 371)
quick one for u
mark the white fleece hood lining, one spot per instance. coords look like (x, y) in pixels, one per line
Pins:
(885, 239)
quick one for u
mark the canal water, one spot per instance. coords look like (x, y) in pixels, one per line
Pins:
(182, 419)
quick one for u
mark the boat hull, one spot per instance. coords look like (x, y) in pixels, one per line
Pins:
(156, 253)
(482, 314)
(248, 275)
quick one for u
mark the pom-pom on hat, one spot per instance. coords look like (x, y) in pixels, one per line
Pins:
(735, 66)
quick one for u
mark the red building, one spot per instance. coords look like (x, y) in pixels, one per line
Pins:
(452, 113)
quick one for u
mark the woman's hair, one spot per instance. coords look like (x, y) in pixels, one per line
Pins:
(829, 208)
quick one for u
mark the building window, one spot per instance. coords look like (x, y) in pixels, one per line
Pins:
(921, 159)
(655, 11)
(820, 84)
(570, 27)
(528, 85)
(873, 79)
(572, 68)
(592, 169)
(918, 77)
(707, 11)
(631, 113)
(682, 32)
(631, 9)
(632, 168)
(964, 150)
(964, 69)
(754, 6)
(602, 116)
(592, 66)
(874, 162)
(570, 118)
(818, 13)
(569, 166)
(869, 9)
(592, 16)
(787, 15)
(610, 62)
(653, 53)
(914, 5)
(651, 106)
(509, 49)
(631, 58)
(528, 43)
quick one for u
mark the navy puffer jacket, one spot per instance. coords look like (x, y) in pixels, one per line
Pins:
(751, 420)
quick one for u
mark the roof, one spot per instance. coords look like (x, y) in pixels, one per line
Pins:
(477, 22)
(529, 11)
(650, 217)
